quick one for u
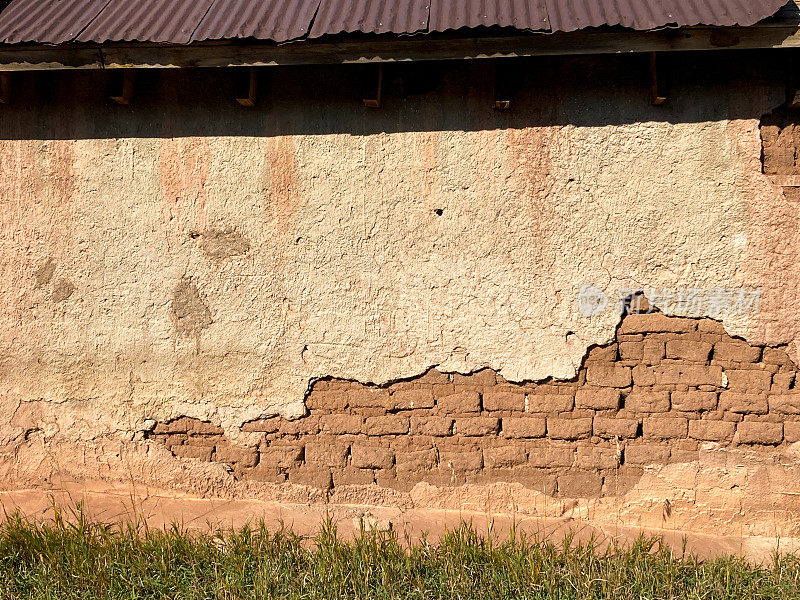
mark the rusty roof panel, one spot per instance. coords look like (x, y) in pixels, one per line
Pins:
(146, 21)
(276, 20)
(371, 16)
(46, 21)
(520, 14)
(571, 15)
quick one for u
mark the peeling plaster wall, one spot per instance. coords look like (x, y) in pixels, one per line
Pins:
(185, 256)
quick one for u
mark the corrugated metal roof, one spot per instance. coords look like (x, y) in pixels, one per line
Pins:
(521, 14)
(371, 16)
(146, 21)
(182, 21)
(46, 21)
(276, 20)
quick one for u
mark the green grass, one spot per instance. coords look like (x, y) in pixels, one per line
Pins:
(79, 559)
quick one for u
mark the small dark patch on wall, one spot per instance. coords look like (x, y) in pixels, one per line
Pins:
(222, 243)
(44, 273)
(189, 311)
(664, 387)
(62, 290)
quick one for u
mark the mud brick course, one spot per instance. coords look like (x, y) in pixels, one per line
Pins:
(664, 387)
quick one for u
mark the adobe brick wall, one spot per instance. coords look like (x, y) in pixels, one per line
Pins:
(665, 386)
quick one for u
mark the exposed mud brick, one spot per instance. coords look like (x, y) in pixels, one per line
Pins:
(415, 461)
(598, 398)
(743, 403)
(550, 403)
(646, 454)
(602, 354)
(580, 484)
(270, 425)
(614, 427)
(201, 452)
(482, 378)
(461, 402)
(782, 382)
(332, 400)
(778, 160)
(386, 425)
(179, 425)
(411, 399)
(368, 398)
(341, 424)
(787, 404)
(231, 454)
(205, 428)
(204, 440)
(303, 426)
(540, 480)
(654, 351)
(776, 356)
(631, 351)
(791, 432)
(644, 401)
(736, 351)
(434, 377)
(664, 428)
(751, 432)
(504, 399)
(461, 462)
(594, 457)
(643, 376)
(656, 323)
(371, 457)
(711, 326)
(712, 431)
(621, 481)
(693, 401)
(524, 427)
(741, 380)
(609, 375)
(326, 453)
(284, 457)
(569, 429)
(550, 457)
(689, 350)
(314, 477)
(433, 426)
(691, 375)
(504, 456)
(265, 473)
(475, 426)
(353, 476)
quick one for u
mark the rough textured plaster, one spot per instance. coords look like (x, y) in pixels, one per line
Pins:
(369, 256)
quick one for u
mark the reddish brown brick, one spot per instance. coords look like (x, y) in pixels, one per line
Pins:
(228, 453)
(631, 351)
(611, 427)
(504, 400)
(314, 477)
(270, 425)
(341, 424)
(332, 400)
(411, 399)
(689, 350)
(386, 425)
(580, 484)
(791, 432)
(743, 403)
(602, 354)
(283, 457)
(549, 457)
(368, 398)
(550, 403)
(609, 375)
(371, 457)
(712, 431)
(594, 457)
(644, 376)
(748, 380)
(433, 426)
(787, 404)
(597, 398)
(477, 426)
(693, 401)
(460, 403)
(415, 461)
(303, 426)
(326, 453)
(205, 428)
(646, 454)
(644, 401)
(504, 456)
(751, 432)
(353, 476)
(653, 352)
(664, 428)
(691, 375)
(782, 382)
(776, 356)
(569, 429)
(656, 323)
(736, 351)
(524, 427)
(461, 461)
(201, 452)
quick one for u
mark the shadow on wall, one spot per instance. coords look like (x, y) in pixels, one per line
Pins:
(453, 96)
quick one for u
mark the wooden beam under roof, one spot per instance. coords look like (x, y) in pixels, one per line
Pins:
(223, 54)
